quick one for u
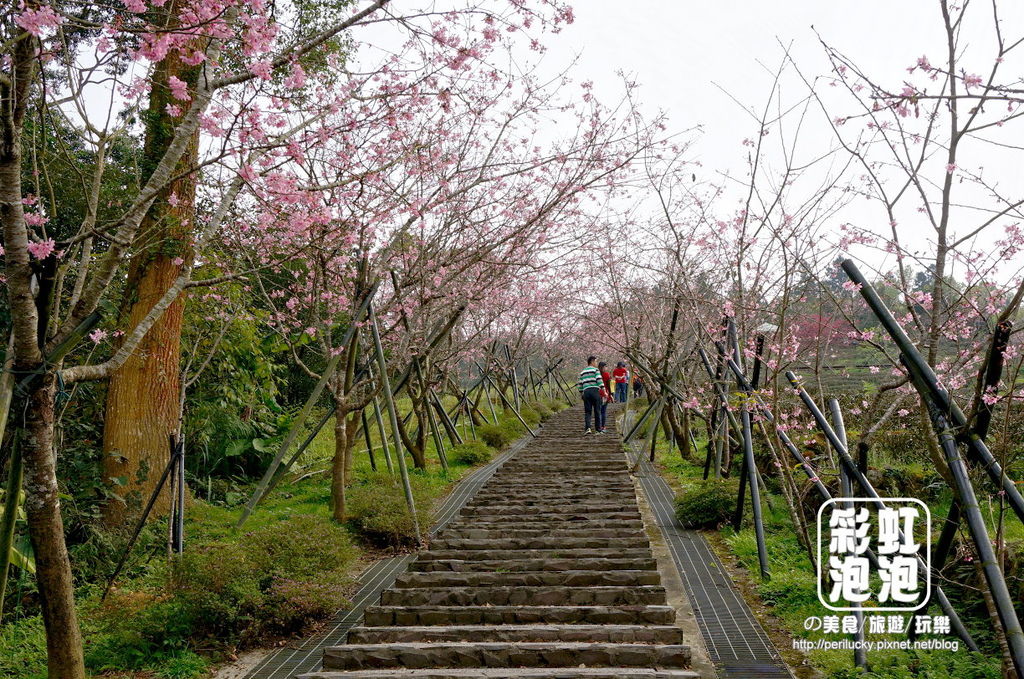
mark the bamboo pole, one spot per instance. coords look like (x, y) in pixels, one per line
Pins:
(383, 436)
(283, 469)
(431, 423)
(862, 481)
(636, 425)
(755, 492)
(753, 477)
(438, 441)
(860, 656)
(15, 475)
(515, 410)
(927, 384)
(994, 575)
(389, 399)
(453, 434)
(329, 370)
(369, 440)
(513, 377)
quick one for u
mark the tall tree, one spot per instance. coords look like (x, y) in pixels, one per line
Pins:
(143, 394)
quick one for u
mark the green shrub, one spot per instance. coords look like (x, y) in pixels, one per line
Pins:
(556, 405)
(471, 453)
(531, 416)
(379, 513)
(542, 409)
(495, 435)
(512, 425)
(23, 648)
(276, 580)
(706, 504)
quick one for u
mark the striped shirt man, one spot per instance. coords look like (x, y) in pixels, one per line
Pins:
(590, 377)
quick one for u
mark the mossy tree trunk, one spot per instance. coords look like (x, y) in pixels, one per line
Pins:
(143, 405)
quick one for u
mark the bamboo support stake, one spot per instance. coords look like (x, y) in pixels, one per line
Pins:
(860, 655)
(515, 410)
(636, 425)
(927, 384)
(975, 520)
(755, 492)
(862, 481)
(753, 477)
(369, 440)
(383, 436)
(11, 501)
(438, 441)
(300, 419)
(393, 416)
(431, 423)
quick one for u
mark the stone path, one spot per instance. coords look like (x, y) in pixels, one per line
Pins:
(547, 572)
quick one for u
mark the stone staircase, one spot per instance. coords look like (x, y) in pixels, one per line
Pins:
(547, 572)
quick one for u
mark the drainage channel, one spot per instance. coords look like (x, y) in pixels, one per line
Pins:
(307, 656)
(736, 642)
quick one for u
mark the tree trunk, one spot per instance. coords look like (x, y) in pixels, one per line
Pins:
(42, 499)
(685, 446)
(341, 465)
(46, 528)
(417, 448)
(143, 396)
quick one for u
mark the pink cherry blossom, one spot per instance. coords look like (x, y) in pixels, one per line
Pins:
(42, 249)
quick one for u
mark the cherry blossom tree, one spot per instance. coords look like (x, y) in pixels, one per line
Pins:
(225, 86)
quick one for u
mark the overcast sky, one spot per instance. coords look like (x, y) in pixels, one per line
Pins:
(688, 58)
(682, 52)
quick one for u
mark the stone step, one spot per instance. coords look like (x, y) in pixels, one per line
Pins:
(620, 500)
(565, 494)
(517, 554)
(566, 578)
(552, 595)
(578, 519)
(509, 673)
(511, 654)
(519, 565)
(570, 472)
(468, 532)
(414, 616)
(569, 477)
(575, 506)
(594, 462)
(616, 518)
(597, 509)
(540, 485)
(592, 467)
(540, 523)
(568, 481)
(614, 634)
(550, 542)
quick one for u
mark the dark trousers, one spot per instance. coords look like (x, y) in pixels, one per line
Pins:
(591, 406)
(603, 412)
(620, 392)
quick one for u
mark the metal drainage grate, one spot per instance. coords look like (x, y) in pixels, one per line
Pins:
(736, 642)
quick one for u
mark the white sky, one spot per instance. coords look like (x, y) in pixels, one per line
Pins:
(683, 54)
